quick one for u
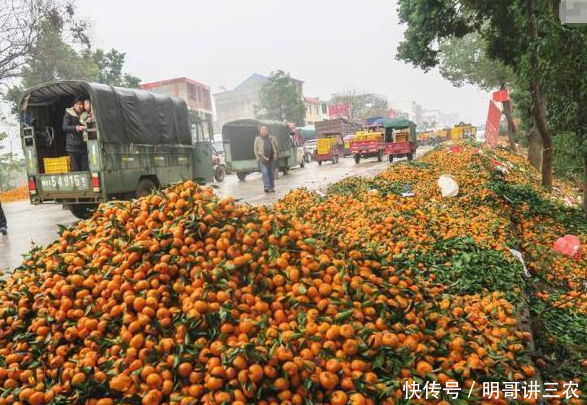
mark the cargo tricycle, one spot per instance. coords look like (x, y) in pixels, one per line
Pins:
(368, 143)
(329, 147)
(401, 140)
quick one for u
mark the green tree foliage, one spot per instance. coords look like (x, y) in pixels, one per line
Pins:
(363, 105)
(62, 51)
(110, 65)
(565, 49)
(464, 61)
(511, 34)
(51, 59)
(568, 157)
(281, 100)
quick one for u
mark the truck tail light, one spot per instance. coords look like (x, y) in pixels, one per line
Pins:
(32, 185)
(96, 182)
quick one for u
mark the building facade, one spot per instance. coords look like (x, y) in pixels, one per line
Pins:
(239, 103)
(196, 95)
(313, 110)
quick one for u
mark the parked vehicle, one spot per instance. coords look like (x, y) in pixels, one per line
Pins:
(368, 143)
(137, 142)
(330, 147)
(310, 149)
(239, 138)
(218, 162)
(298, 154)
(400, 139)
(347, 145)
(463, 131)
(343, 126)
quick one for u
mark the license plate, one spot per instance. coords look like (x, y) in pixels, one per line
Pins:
(65, 182)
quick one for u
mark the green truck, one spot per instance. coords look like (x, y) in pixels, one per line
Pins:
(239, 136)
(139, 141)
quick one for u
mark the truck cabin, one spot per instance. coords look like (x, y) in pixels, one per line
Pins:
(42, 112)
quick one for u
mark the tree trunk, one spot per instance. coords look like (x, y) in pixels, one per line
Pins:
(585, 185)
(534, 148)
(507, 111)
(539, 112)
(538, 108)
(547, 157)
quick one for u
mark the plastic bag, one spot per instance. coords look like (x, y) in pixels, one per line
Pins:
(569, 245)
(496, 165)
(454, 149)
(448, 186)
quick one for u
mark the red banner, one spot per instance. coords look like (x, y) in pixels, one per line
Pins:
(340, 110)
(500, 96)
(492, 125)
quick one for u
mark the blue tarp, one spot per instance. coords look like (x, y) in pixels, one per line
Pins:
(377, 120)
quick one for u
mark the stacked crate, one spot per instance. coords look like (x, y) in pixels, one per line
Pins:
(57, 165)
(324, 145)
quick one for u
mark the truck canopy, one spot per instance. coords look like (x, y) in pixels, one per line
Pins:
(123, 116)
(400, 123)
(241, 134)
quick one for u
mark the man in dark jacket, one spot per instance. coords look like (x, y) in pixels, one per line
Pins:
(75, 146)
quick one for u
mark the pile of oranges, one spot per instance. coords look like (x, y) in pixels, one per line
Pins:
(15, 194)
(185, 298)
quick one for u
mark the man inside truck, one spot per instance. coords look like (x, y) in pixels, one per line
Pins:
(75, 146)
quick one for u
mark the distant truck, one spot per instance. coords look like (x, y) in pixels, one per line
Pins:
(239, 139)
(342, 126)
(139, 141)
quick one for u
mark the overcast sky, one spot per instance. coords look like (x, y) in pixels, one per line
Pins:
(331, 45)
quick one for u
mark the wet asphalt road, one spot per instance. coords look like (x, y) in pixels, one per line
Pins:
(37, 225)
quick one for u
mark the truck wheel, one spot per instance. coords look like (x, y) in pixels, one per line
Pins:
(390, 158)
(380, 156)
(319, 163)
(82, 211)
(357, 158)
(284, 170)
(219, 174)
(410, 157)
(145, 187)
(242, 175)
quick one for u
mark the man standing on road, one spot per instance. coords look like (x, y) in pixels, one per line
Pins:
(266, 153)
(3, 225)
(75, 146)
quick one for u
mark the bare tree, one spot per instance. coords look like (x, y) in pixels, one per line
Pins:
(362, 104)
(19, 29)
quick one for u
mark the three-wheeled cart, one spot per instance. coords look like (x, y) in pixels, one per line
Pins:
(368, 144)
(401, 140)
(329, 147)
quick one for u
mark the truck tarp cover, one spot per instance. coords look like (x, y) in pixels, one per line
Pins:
(125, 115)
(241, 135)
